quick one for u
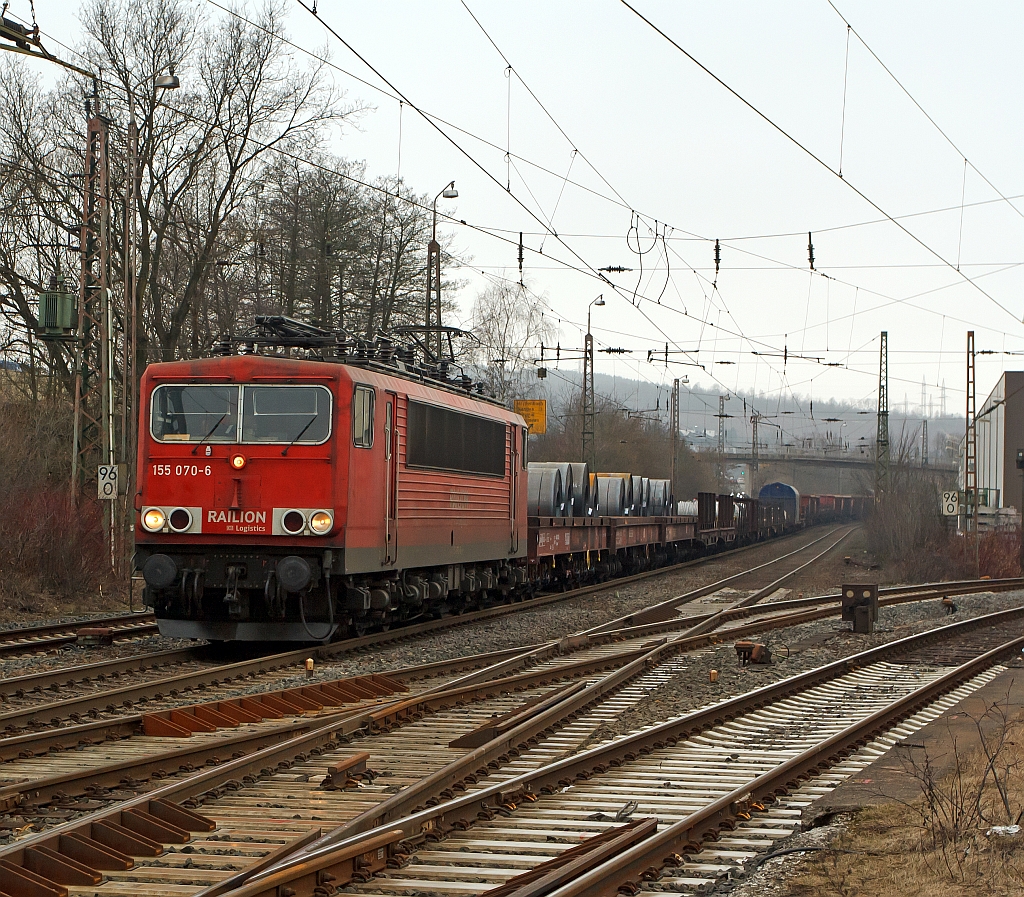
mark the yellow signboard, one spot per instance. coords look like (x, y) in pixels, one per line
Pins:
(535, 413)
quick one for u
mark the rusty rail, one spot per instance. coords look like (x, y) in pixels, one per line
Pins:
(461, 811)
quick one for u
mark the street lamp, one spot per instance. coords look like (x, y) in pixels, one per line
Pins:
(589, 411)
(434, 266)
(133, 202)
(169, 81)
(132, 205)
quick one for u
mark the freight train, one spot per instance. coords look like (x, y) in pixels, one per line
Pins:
(284, 498)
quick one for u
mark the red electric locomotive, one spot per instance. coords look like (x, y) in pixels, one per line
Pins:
(281, 499)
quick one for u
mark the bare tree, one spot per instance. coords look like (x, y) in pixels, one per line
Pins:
(509, 322)
(201, 150)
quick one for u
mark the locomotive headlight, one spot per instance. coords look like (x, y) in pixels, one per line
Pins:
(293, 522)
(180, 520)
(154, 520)
(321, 522)
(238, 461)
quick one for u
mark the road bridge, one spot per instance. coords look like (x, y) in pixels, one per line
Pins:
(839, 474)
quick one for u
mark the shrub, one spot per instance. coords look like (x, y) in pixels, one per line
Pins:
(47, 547)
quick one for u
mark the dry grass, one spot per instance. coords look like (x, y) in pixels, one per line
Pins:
(52, 556)
(936, 845)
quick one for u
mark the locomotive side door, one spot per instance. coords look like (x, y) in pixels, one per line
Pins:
(390, 479)
(513, 491)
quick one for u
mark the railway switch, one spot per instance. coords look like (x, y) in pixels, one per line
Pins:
(350, 772)
(752, 652)
(95, 636)
(860, 606)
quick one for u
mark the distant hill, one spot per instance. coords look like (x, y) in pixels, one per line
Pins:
(798, 421)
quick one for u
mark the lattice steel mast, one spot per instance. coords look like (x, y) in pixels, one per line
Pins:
(589, 405)
(882, 434)
(674, 425)
(971, 442)
(93, 427)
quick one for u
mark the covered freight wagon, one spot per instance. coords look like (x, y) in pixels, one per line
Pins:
(784, 497)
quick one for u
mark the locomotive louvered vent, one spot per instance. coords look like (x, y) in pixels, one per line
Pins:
(449, 440)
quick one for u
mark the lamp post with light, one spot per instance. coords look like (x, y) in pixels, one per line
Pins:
(133, 202)
(434, 268)
(589, 411)
(133, 317)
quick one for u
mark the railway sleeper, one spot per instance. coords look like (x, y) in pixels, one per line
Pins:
(77, 859)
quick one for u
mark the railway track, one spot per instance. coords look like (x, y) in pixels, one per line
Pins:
(112, 721)
(44, 637)
(113, 688)
(302, 776)
(685, 784)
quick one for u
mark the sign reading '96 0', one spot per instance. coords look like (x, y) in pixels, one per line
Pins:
(110, 481)
(535, 413)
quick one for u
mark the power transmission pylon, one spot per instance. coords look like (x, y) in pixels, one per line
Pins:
(882, 434)
(924, 442)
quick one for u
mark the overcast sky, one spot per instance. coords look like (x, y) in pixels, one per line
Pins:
(647, 131)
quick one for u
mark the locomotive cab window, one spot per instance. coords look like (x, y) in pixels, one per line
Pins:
(195, 414)
(286, 414)
(362, 416)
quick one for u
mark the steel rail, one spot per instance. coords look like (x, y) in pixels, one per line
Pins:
(713, 621)
(67, 737)
(35, 638)
(664, 610)
(461, 811)
(647, 857)
(381, 717)
(504, 661)
(348, 723)
(77, 707)
(315, 735)
(49, 680)
(15, 632)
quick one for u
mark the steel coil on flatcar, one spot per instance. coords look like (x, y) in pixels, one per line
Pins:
(627, 498)
(636, 505)
(661, 498)
(545, 497)
(611, 495)
(687, 508)
(582, 502)
(565, 470)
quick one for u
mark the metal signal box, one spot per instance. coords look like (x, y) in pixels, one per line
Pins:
(860, 605)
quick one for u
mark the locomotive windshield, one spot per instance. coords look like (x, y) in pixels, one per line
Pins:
(270, 414)
(290, 414)
(195, 413)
